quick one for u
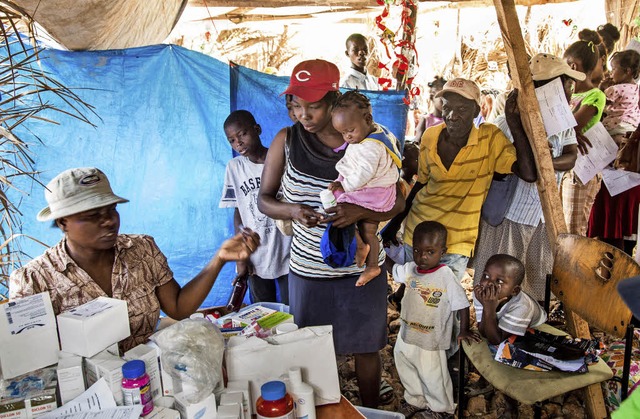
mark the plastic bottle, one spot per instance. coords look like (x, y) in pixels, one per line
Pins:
(274, 401)
(136, 387)
(302, 393)
(240, 285)
(327, 198)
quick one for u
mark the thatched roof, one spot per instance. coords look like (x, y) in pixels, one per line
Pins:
(114, 24)
(100, 24)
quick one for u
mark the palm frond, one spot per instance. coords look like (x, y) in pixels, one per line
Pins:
(27, 93)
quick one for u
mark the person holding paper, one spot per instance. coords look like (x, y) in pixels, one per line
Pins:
(457, 162)
(615, 216)
(587, 103)
(94, 260)
(522, 233)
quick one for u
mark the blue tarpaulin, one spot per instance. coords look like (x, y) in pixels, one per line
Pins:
(159, 138)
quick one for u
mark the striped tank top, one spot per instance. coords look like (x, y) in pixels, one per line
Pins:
(309, 168)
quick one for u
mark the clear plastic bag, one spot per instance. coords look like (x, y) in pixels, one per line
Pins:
(192, 351)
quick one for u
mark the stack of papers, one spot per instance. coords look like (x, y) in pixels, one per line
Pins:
(95, 403)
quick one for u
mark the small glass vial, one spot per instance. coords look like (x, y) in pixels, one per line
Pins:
(239, 289)
(274, 401)
(136, 387)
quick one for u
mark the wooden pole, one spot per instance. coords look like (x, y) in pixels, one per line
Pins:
(547, 187)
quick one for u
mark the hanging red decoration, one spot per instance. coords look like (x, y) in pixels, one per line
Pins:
(399, 45)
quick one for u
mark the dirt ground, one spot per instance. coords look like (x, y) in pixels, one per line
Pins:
(482, 400)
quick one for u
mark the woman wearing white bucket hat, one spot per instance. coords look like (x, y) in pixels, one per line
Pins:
(93, 260)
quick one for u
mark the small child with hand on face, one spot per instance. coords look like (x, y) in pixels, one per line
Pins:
(432, 299)
(369, 171)
(502, 308)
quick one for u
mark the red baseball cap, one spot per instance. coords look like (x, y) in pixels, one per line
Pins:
(312, 79)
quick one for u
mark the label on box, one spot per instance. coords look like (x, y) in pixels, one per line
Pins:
(245, 318)
(13, 410)
(92, 308)
(272, 320)
(26, 313)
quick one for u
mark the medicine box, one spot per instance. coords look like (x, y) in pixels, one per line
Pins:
(94, 326)
(29, 395)
(150, 357)
(28, 335)
(70, 372)
(230, 411)
(245, 317)
(233, 398)
(107, 366)
(242, 386)
(170, 385)
(204, 409)
(31, 407)
(159, 412)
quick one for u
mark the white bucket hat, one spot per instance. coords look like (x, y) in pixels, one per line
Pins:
(77, 190)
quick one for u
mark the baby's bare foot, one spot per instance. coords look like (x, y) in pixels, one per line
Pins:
(368, 274)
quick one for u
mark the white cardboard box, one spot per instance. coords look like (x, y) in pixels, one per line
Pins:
(245, 388)
(94, 326)
(108, 366)
(170, 385)
(233, 398)
(229, 411)
(31, 407)
(202, 410)
(260, 360)
(159, 412)
(150, 357)
(30, 402)
(70, 377)
(28, 335)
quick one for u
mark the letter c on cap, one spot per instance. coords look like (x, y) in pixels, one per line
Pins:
(303, 75)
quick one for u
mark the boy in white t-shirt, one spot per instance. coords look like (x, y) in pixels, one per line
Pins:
(433, 297)
(502, 308)
(270, 262)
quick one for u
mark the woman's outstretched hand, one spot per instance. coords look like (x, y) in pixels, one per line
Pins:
(240, 246)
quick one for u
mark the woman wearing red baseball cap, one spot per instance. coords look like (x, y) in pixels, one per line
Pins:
(301, 163)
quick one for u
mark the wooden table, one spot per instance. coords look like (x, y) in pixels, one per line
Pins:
(342, 410)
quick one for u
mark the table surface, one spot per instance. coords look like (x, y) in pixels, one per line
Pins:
(342, 410)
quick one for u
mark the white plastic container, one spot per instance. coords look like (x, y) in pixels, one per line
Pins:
(302, 393)
(328, 199)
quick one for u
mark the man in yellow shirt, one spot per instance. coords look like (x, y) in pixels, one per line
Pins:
(456, 166)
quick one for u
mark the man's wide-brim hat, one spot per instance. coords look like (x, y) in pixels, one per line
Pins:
(77, 190)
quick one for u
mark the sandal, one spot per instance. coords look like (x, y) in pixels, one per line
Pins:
(409, 410)
(386, 392)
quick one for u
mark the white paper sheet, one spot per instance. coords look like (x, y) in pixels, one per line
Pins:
(554, 108)
(96, 398)
(119, 412)
(618, 181)
(634, 45)
(27, 313)
(602, 153)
